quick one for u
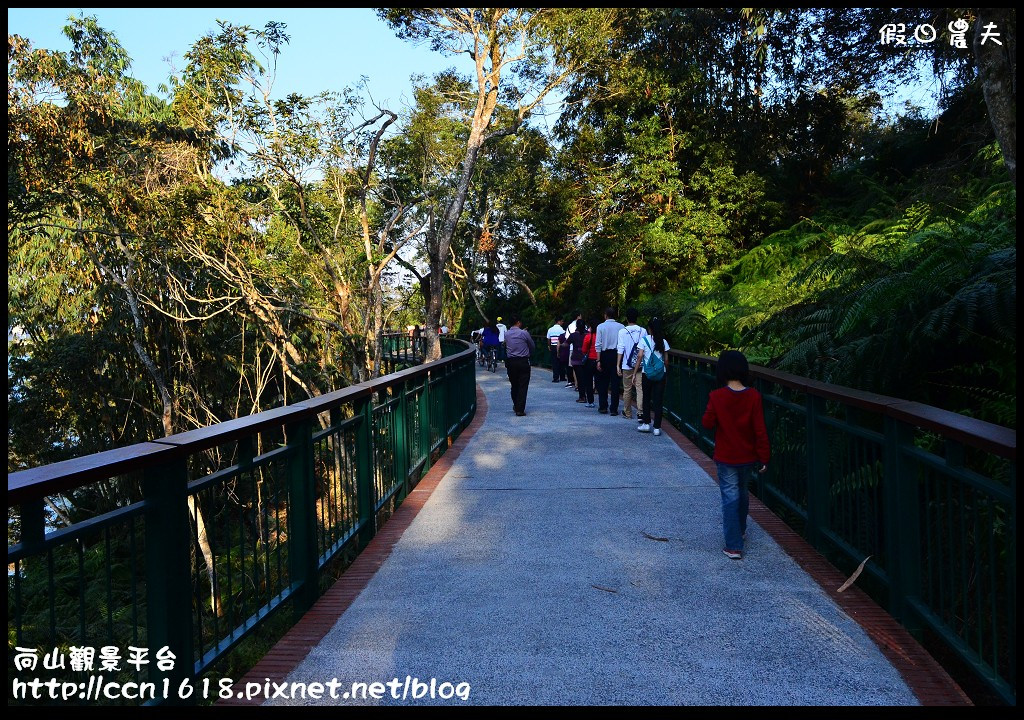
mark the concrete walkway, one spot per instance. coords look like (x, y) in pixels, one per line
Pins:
(534, 574)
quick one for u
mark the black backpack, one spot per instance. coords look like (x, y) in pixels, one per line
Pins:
(631, 360)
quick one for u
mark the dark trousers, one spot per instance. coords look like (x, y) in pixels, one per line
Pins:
(518, 370)
(585, 379)
(569, 373)
(654, 395)
(608, 381)
(557, 372)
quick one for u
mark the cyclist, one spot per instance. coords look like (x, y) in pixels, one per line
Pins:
(490, 346)
(475, 338)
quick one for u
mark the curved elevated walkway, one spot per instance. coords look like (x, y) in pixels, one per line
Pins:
(538, 572)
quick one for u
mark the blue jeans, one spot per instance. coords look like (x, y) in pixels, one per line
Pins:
(733, 482)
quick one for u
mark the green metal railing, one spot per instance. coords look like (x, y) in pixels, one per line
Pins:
(194, 540)
(930, 495)
(402, 350)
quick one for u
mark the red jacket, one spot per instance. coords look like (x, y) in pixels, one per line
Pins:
(737, 417)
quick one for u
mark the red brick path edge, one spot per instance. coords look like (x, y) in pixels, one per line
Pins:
(311, 628)
(926, 678)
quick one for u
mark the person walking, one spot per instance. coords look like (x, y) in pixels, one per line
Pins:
(576, 321)
(577, 359)
(501, 338)
(607, 341)
(519, 346)
(735, 412)
(554, 335)
(418, 343)
(563, 360)
(590, 365)
(654, 371)
(570, 371)
(627, 347)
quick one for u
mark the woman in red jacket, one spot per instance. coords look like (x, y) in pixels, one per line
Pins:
(736, 414)
(588, 365)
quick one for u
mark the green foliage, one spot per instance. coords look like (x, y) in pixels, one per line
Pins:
(908, 307)
(712, 167)
(918, 303)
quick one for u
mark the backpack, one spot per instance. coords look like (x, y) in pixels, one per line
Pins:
(654, 366)
(631, 359)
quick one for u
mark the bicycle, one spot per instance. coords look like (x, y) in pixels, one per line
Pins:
(490, 358)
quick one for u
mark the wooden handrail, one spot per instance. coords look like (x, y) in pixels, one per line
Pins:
(986, 436)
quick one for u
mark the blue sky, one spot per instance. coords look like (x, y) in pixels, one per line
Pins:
(329, 49)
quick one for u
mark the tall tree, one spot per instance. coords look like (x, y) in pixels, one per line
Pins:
(521, 53)
(995, 50)
(310, 166)
(92, 168)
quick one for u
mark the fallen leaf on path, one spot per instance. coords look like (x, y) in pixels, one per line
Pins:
(606, 589)
(856, 574)
(653, 537)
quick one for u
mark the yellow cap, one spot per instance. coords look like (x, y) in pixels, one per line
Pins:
(499, 319)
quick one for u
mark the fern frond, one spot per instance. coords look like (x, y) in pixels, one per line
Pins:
(873, 300)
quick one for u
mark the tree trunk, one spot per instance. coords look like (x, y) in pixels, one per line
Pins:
(377, 302)
(202, 537)
(997, 66)
(375, 323)
(444, 240)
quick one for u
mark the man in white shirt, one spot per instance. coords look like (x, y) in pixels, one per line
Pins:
(606, 343)
(572, 326)
(501, 339)
(654, 390)
(627, 348)
(554, 333)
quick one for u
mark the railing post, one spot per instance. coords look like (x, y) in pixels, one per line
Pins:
(425, 422)
(302, 553)
(401, 441)
(446, 388)
(701, 435)
(33, 533)
(458, 398)
(462, 406)
(168, 535)
(469, 366)
(365, 470)
(671, 376)
(453, 401)
(687, 401)
(902, 522)
(759, 477)
(817, 473)
(33, 524)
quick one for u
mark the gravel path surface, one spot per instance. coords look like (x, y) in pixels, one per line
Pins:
(567, 559)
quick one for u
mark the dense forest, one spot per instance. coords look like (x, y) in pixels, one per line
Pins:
(220, 246)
